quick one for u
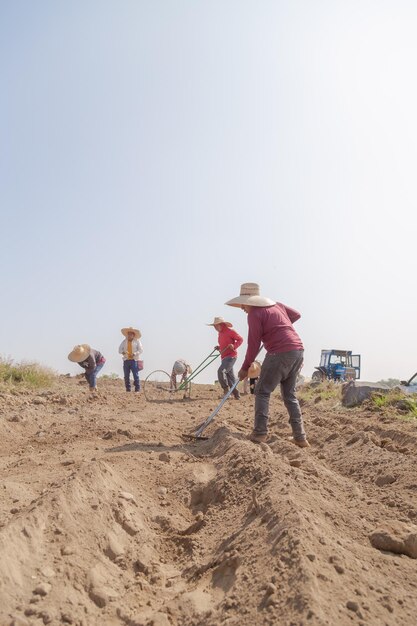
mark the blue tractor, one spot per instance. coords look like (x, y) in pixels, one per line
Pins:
(338, 365)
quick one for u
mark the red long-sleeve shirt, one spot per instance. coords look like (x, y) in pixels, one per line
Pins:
(229, 336)
(271, 325)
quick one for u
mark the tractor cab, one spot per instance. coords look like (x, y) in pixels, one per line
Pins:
(338, 365)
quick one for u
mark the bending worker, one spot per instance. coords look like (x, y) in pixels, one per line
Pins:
(272, 324)
(183, 369)
(90, 360)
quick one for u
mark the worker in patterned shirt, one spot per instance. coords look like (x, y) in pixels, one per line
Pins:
(183, 369)
(90, 360)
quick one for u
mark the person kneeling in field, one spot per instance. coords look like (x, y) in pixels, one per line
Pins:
(183, 369)
(272, 324)
(89, 359)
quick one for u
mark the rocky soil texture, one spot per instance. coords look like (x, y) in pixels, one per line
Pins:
(108, 517)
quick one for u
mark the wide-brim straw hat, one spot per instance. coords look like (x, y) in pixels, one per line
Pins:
(254, 369)
(137, 332)
(220, 320)
(249, 294)
(79, 353)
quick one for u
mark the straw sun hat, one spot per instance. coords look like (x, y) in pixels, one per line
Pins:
(136, 332)
(220, 320)
(254, 369)
(249, 294)
(79, 353)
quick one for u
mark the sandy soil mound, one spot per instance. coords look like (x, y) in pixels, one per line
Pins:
(108, 517)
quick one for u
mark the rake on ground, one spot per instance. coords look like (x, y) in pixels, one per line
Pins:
(198, 433)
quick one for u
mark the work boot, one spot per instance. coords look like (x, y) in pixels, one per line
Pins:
(225, 392)
(301, 443)
(258, 437)
(236, 395)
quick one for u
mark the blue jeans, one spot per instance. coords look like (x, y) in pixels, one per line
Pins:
(130, 365)
(279, 368)
(91, 378)
(226, 375)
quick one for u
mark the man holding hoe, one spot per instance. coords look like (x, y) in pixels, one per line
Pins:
(271, 323)
(228, 342)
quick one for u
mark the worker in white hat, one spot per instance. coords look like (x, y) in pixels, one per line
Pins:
(131, 349)
(271, 323)
(228, 343)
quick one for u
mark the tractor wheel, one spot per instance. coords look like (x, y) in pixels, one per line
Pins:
(317, 377)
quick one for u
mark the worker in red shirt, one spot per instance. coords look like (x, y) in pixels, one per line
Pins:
(271, 324)
(228, 342)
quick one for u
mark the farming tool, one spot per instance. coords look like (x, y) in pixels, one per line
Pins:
(158, 385)
(254, 370)
(199, 432)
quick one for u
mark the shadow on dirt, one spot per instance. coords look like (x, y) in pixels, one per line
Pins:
(193, 448)
(154, 447)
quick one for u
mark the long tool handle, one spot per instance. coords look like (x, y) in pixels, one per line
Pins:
(199, 368)
(204, 425)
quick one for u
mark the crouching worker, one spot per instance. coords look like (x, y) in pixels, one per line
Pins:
(91, 360)
(252, 379)
(131, 349)
(272, 324)
(183, 369)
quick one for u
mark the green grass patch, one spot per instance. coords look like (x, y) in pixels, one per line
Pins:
(25, 374)
(327, 390)
(405, 406)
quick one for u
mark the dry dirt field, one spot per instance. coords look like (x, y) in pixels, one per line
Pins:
(108, 518)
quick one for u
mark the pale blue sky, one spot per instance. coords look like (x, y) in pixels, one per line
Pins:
(155, 155)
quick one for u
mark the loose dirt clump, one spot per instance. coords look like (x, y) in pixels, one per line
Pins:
(108, 518)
